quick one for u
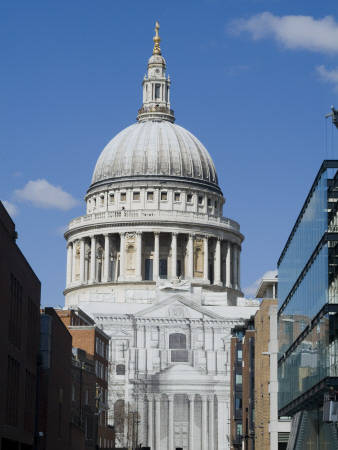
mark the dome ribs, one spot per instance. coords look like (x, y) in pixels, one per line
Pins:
(154, 149)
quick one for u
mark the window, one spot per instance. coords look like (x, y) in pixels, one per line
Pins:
(209, 202)
(216, 204)
(120, 369)
(102, 199)
(200, 200)
(164, 195)
(238, 403)
(189, 198)
(238, 378)
(111, 197)
(150, 195)
(177, 197)
(73, 391)
(239, 355)
(136, 196)
(239, 429)
(123, 196)
(177, 340)
(157, 91)
(87, 397)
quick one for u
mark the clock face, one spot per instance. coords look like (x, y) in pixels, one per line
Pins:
(157, 70)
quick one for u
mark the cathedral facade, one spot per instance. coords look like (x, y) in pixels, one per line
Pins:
(157, 266)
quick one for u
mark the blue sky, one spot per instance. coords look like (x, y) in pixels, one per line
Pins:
(252, 80)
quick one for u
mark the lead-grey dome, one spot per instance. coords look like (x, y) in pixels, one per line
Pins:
(155, 149)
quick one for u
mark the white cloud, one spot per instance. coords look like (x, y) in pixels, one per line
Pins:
(331, 76)
(293, 32)
(42, 194)
(250, 291)
(11, 208)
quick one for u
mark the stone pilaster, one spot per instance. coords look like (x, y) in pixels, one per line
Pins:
(173, 255)
(156, 260)
(191, 398)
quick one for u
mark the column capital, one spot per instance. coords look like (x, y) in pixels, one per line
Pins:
(204, 397)
(139, 396)
(211, 397)
(156, 233)
(106, 235)
(191, 397)
(174, 233)
(139, 233)
(69, 244)
(92, 236)
(150, 397)
(158, 397)
(122, 233)
(222, 398)
(191, 235)
(170, 397)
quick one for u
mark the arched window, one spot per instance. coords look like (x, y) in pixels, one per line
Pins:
(119, 416)
(120, 369)
(178, 341)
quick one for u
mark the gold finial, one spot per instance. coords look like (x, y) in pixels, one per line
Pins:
(157, 40)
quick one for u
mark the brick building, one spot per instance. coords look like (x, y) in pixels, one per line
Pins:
(19, 337)
(87, 336)
(83, 401)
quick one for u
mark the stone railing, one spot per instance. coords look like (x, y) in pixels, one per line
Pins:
(144, 215)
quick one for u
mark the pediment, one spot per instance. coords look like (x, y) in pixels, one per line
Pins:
(122, 334)
(178, 307)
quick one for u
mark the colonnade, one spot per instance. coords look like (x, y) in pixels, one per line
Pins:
(212, 433)
(91, 259)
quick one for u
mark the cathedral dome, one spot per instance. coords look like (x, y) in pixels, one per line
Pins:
(153, 149)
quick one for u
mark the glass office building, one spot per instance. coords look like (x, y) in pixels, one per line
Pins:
(308, 307)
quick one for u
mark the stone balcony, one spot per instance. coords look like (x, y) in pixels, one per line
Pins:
(148, 215)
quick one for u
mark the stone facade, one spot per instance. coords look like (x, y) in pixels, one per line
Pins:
(157, 266)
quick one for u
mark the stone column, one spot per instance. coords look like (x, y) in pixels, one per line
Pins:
(92, 259)
(204, 423)
(211, 421)
(228, 265)
(157, 420)
(150, 398)
(170, 421)
(206, 258)
(173, 255)
(122, 255)
(235, 280)
(82, 261)
(217, 262)
(74, 261)
(69, 262)
(140, 425)
(191, 398)
(222, 422)
(139, 256)
(106, 273)
(191, 256)
(156, 260)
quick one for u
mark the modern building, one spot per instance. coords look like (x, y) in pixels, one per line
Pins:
(157, 266)
(19, 337)
(307, 317)
(90, 338)
(54, 424)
